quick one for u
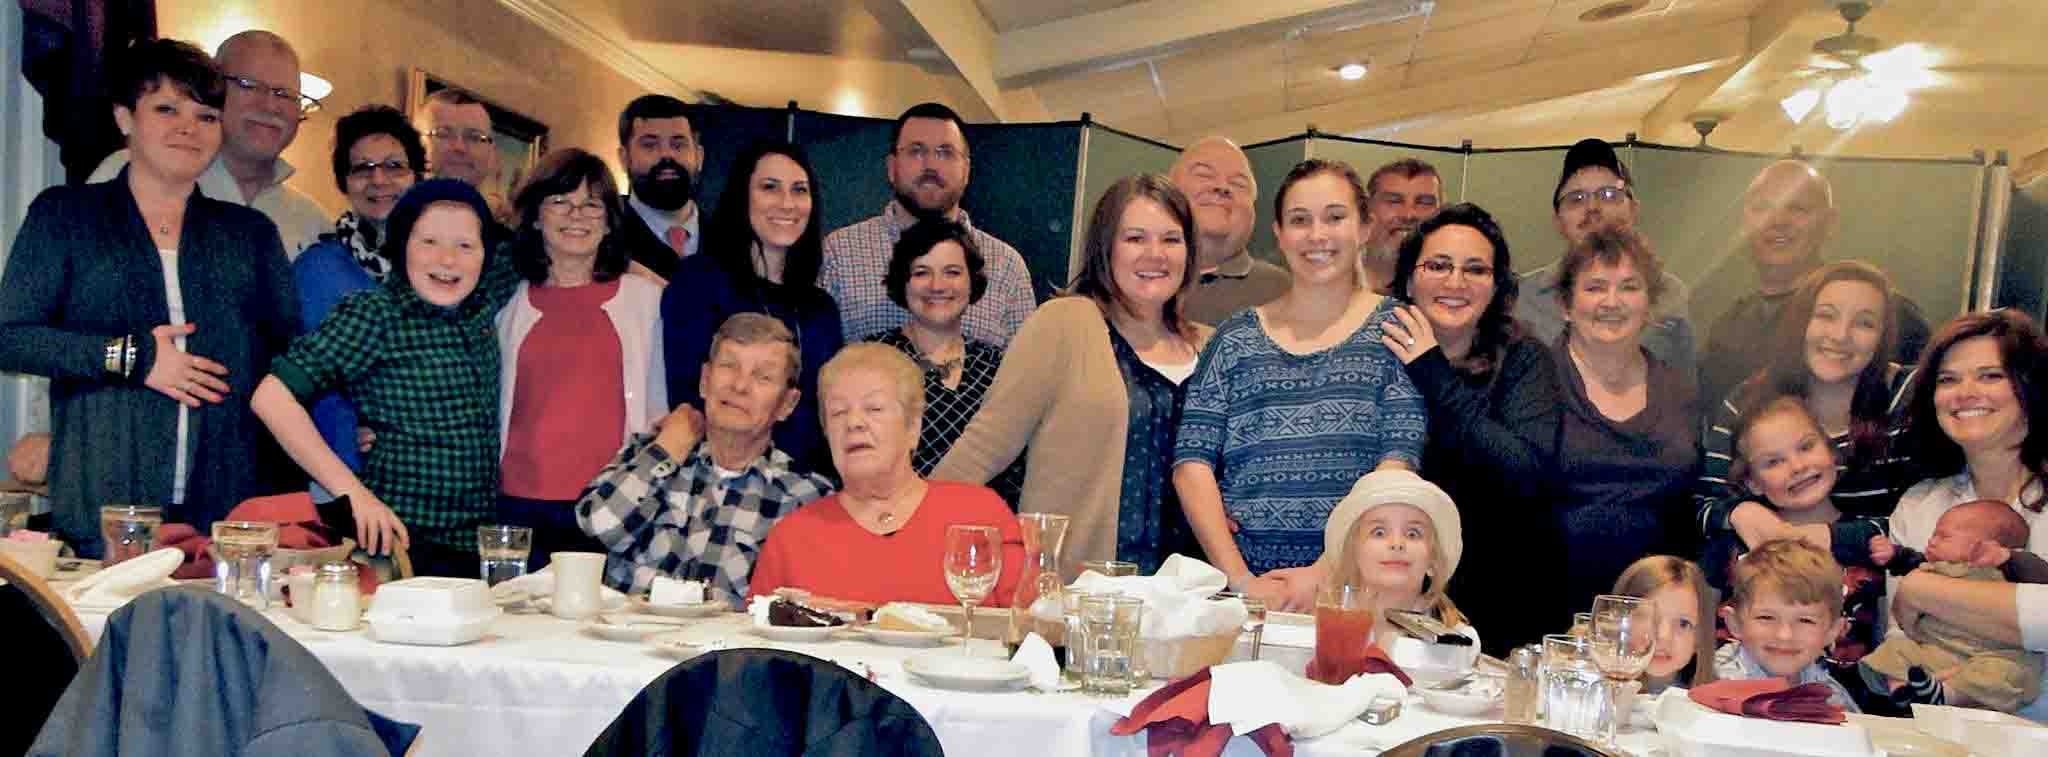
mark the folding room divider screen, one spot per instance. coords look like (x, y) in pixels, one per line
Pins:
(1034, 186)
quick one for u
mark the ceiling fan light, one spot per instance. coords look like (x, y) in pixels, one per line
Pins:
(1800, 104)
(1882, 104)
(1844, 103)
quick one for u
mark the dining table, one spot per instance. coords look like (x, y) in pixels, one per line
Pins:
(542, 686)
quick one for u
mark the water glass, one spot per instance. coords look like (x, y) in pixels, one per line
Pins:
(1254, 618)
(1076, 635)
(1622, 637)
(128, 531)
(13, 506)
(1572, 687)
(504, 550)
(1111, 568)
(241, 567)
(1130, 617)
(1109, 632)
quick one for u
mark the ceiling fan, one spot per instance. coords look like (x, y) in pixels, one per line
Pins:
(1855, 79)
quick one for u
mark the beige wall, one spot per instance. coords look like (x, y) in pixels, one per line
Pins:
(367, 47)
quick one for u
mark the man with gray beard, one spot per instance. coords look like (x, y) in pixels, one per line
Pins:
(1399, 196)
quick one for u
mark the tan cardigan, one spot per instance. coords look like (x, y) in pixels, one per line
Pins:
(1059, 392)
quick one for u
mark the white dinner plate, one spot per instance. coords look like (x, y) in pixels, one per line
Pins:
(951, 670)
(698, 610)
(683, 645)
(897, 638)
(629, 626)
(798, 634)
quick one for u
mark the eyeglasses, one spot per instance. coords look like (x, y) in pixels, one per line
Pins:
(1607, 195)
(1439, 268)
(561, 205)
(390, 167)
(942, 153)
(304, 103)
(471, 137)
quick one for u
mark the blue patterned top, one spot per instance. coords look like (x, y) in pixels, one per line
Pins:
(1289, 434)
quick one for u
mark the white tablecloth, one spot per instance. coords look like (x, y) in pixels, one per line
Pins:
(538, 686)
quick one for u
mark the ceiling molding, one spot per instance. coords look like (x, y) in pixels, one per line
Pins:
(596, 44)
(1512, 86)
(1130, 34)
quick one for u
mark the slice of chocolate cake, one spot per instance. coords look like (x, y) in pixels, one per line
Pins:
(783, 612)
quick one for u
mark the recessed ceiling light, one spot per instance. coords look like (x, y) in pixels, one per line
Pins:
(1613, 10)
(1351, 71)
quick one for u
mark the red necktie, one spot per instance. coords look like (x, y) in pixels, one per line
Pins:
(678, 239)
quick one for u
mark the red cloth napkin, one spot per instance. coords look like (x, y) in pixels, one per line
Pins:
(299, 527)
(1376, 661)
(1771, 699)
(1175, 720)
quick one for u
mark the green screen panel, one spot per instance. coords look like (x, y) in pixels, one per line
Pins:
(1113, 155)
(1515, 187)
(1916, 220)
(2023, 270)
(847, 152)
(1270, 163)
(1366, 157)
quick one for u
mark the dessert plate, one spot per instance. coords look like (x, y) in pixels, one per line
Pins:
(951, 670)
(699, 610)
(896, 638)
(629, 626)
(798, 634)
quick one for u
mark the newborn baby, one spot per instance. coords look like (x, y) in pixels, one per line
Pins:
(1979, 541)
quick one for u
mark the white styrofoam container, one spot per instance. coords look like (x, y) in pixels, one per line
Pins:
(1691, 730)
(1985, 732)
(1428, 663)
(432, 611)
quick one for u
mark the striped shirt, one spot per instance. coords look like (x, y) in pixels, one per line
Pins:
(857, 259)
(690, 520)
(1863, 490)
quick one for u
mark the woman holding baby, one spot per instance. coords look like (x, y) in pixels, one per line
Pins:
(1971, 415)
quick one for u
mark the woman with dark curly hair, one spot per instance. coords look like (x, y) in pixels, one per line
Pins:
(154, 310)
(1493, 412)
(587, 340)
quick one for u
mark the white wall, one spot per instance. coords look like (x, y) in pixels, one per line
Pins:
(28, 164)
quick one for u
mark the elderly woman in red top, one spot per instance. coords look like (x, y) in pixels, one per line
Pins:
(881, 538)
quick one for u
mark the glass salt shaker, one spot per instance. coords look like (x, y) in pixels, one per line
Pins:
(1522, 685)
(337, 598)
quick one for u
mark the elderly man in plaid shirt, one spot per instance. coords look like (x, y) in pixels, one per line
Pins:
(927, 167)
(696, 505)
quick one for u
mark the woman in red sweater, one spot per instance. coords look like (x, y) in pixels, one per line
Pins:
(882, 537)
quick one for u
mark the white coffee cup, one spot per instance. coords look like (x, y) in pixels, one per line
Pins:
(39, 558)
(578, 585)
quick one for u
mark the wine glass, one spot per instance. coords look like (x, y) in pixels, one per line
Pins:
(974, 560)
(1622, 636)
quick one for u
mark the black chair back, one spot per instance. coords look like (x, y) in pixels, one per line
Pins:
(766, 703)
(1499, 740)
(47, 648)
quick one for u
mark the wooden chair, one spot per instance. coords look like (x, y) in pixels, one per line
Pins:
(54, 610)
(48, 647)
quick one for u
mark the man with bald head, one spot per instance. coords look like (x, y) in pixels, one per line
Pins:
(1399, 196)
(1217, 179)
(1788, 216)
(259, 119)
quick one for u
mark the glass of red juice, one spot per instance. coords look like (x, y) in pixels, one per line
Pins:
(1344, 621)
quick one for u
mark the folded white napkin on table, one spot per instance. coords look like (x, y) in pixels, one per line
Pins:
(541, 583)
(113, 587)
(1036, 655)
(1176, 598)
(1252, 695)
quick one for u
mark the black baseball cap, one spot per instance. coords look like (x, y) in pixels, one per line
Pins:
(1588, 153)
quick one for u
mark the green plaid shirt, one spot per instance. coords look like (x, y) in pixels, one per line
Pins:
(425, 379)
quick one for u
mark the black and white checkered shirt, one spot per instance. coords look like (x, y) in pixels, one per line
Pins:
(689, 521)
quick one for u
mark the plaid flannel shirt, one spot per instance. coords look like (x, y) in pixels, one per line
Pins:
(658, 517)
(425, 379)
(857, 259)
